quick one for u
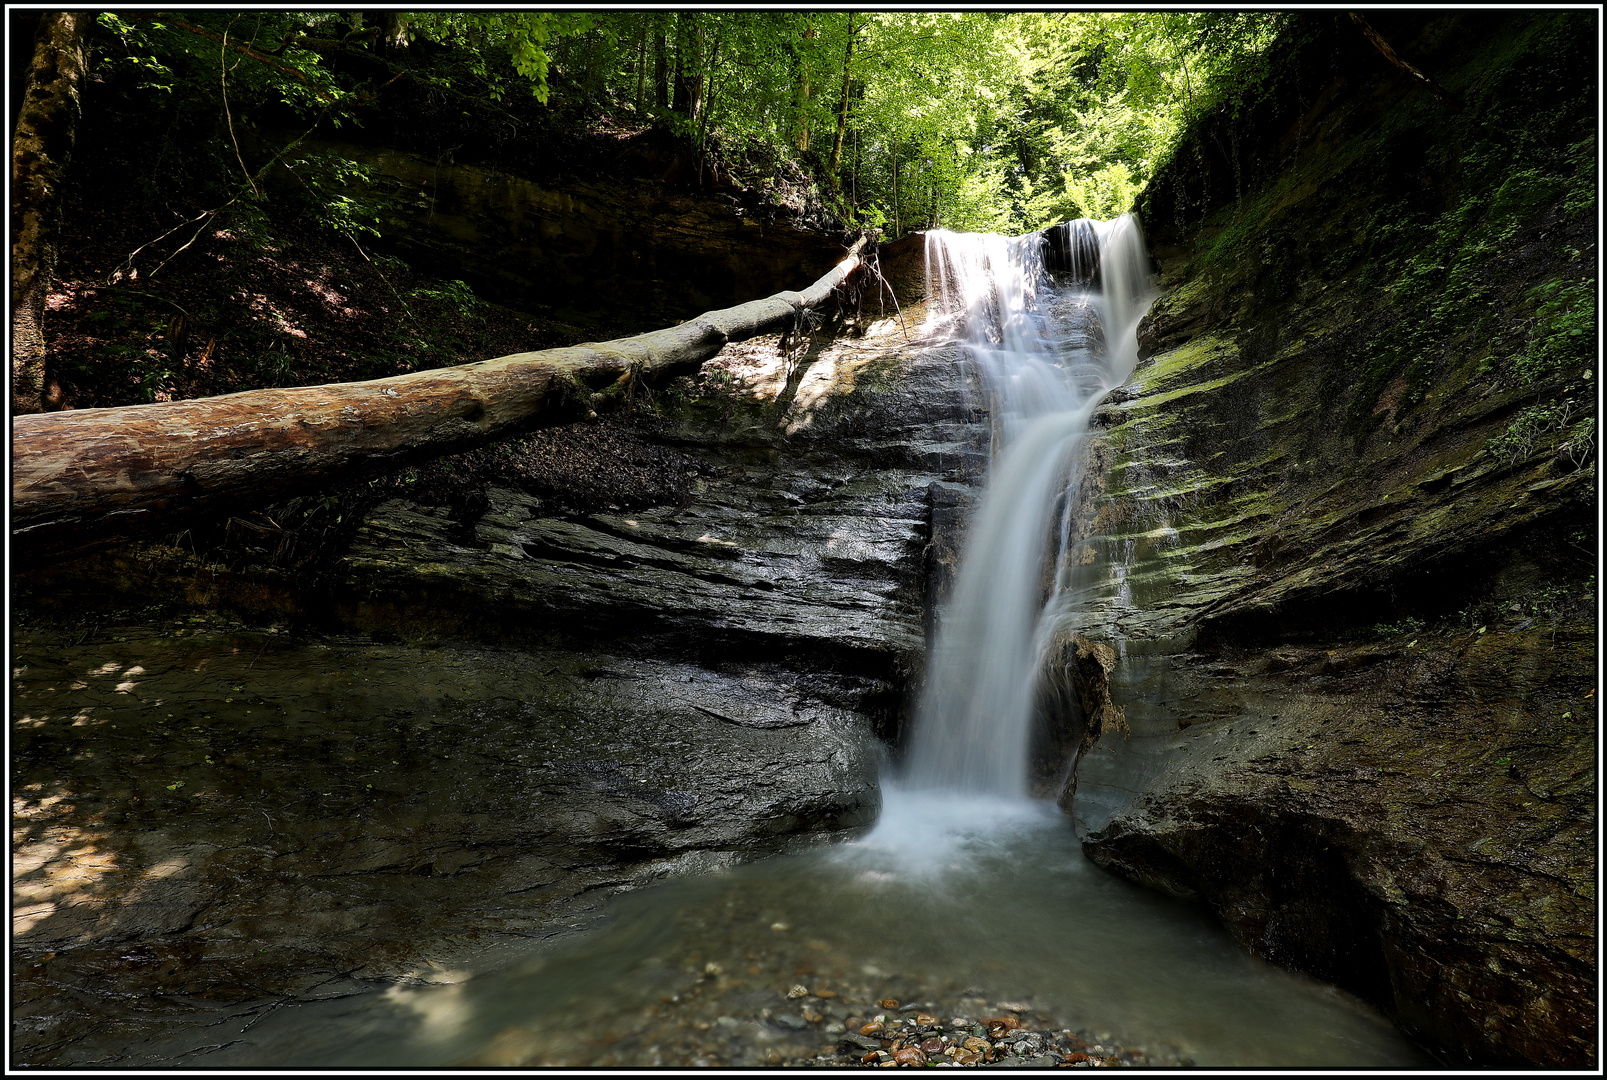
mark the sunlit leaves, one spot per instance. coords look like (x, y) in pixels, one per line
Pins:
(966, 119)
(519, 38)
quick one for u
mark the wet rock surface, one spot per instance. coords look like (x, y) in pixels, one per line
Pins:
(1415, 824)
(236, 785)
(219, 817)
(1356, 643)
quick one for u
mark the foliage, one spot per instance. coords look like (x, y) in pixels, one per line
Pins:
(1406, 626)
(970, 120)
(454, 294)
(1461, 227)
(1563, 341)
(963, 119)
(337, 193)
(520, 38)
(1111, 94)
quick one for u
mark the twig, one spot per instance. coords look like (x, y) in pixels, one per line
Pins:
(158, 299)
(204, 218)
(228, 115)
(720, 715)
(128, 262)
(883, 283)
(253, 53)
(347, 234)
(208, 219)
(1389, 54)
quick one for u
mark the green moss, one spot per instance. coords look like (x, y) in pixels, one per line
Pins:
(1182, 361)
(1523, 195)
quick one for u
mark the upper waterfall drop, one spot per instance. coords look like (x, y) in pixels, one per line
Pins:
(1051, 320)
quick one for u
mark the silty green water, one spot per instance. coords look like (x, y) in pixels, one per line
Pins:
(959, 906)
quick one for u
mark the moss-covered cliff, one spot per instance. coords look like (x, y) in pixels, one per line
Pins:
(1347, 516)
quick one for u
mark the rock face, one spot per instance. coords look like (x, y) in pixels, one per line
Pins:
(484, 722)
(226, 814)
(629, 253)
(1352, 600)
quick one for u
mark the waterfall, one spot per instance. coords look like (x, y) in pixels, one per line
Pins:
(1050, 321)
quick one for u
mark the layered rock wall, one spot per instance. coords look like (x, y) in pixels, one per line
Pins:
(625, 253)
(1353, 608)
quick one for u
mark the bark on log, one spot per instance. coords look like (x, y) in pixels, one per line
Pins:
(91, 478)
(41, 147)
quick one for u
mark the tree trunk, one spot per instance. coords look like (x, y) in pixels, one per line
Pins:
(90, 478)
(661, 72)
(641, 67)
(393, 34)
(708, 103)
(842, 107)
(802, 93)
(40, 151)
(688, 68)
(896, 233)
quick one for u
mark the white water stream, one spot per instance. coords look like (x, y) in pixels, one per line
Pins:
(1049, 352)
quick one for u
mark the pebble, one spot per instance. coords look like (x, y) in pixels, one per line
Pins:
(769, 1000)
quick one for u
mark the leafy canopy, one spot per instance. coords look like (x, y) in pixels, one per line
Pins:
(969, 120)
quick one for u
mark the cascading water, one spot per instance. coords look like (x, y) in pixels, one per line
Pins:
(1051, 336)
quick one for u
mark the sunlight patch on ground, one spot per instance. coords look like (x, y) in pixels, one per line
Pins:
(819, 383)
(53, 873)
(757, 369)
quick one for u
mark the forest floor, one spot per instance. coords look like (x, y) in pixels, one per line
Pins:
(255, 300)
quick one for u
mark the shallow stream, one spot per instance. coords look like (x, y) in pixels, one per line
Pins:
(958, 908)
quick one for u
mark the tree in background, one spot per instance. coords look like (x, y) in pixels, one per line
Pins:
(1108, 95)
(971, 120)
(902, 120)
(41, 148)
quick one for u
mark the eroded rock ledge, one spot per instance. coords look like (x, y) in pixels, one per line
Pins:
(1416, 825)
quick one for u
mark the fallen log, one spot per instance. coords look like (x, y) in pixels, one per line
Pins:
(90, 478)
